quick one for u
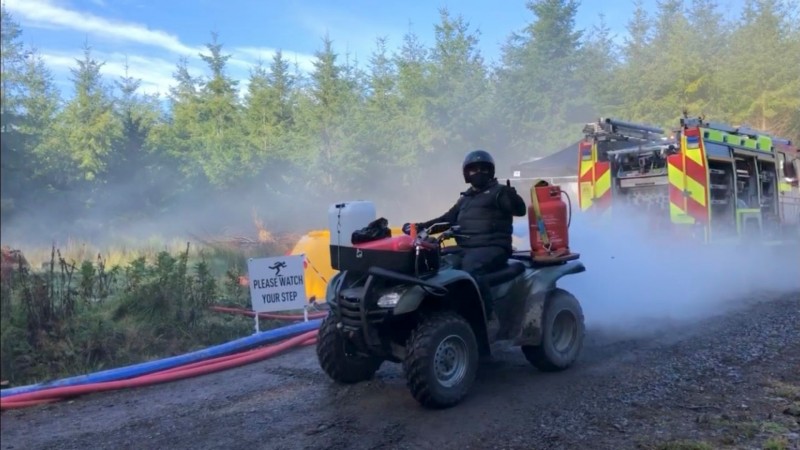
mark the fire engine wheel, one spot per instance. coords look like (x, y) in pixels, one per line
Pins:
(562, 334)
(336, 359)
(441, 360)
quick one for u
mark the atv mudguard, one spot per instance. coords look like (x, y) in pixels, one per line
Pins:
(330, 289)
(412, 298)
(462, 296)
(521, 321)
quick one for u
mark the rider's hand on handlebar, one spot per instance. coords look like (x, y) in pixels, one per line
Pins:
(407, 227)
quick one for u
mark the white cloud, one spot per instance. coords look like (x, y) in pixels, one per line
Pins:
(46, 14)
(155, 73)
(253, 54)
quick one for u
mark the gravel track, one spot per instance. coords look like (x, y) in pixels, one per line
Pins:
(731, 380)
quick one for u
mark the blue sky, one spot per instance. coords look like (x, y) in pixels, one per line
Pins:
(153, 34)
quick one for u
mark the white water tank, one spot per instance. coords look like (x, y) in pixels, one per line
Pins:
(346, 217)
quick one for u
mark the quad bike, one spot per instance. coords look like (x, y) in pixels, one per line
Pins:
(400, 299)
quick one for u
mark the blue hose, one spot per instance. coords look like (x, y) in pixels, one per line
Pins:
(135, 370)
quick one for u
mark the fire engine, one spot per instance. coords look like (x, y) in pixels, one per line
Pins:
(715, 182)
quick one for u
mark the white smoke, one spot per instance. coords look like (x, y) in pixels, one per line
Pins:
(637, 279)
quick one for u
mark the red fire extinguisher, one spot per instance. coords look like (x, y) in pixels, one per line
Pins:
(547, 218)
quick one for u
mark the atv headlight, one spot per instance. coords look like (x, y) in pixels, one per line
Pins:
(390, 298)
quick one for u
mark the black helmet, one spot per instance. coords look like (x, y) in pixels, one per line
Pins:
(478, 157)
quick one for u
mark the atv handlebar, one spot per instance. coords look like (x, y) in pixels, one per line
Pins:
(451, 233)
(438, 227)
(424, 238)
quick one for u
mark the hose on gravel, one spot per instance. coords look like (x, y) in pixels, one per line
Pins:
(122, 373)
(287, 317)
(50, 395)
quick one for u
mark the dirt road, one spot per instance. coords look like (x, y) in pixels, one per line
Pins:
(731, 381)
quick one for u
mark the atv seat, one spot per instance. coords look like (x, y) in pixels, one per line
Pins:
(507, 273)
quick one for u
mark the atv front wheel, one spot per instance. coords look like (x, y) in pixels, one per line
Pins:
(441, 360)
(335, 359)
(562, 334)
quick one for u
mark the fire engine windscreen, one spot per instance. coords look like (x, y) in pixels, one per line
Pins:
(636, 278)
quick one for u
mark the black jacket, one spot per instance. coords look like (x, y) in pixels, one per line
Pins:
(484, 216)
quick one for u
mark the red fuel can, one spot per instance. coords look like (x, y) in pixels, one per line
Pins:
(551, 218)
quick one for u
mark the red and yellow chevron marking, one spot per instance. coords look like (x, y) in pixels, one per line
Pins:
(585, 182)
(688, 181)
(594, 181)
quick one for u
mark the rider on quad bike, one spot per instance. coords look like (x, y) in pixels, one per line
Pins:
(401, 299)
(484, 214)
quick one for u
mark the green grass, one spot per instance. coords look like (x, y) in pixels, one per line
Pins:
(776, 443)
(684, 445)
(785, 390)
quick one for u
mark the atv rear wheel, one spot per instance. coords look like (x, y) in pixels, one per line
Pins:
(441, 360)
(337, 361)
(562, 334)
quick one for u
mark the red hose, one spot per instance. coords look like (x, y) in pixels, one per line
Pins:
(199, 368)
(212, 365)
(12, 403)
(206, 362)
(247, 312)
(235, 356)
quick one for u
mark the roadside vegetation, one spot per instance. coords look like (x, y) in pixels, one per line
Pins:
(74, 313)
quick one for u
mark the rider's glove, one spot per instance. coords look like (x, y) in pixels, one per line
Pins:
(510, 201)
(511, 191)
(407, 227)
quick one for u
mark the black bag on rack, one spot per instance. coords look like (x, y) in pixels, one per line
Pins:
(377, 229)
